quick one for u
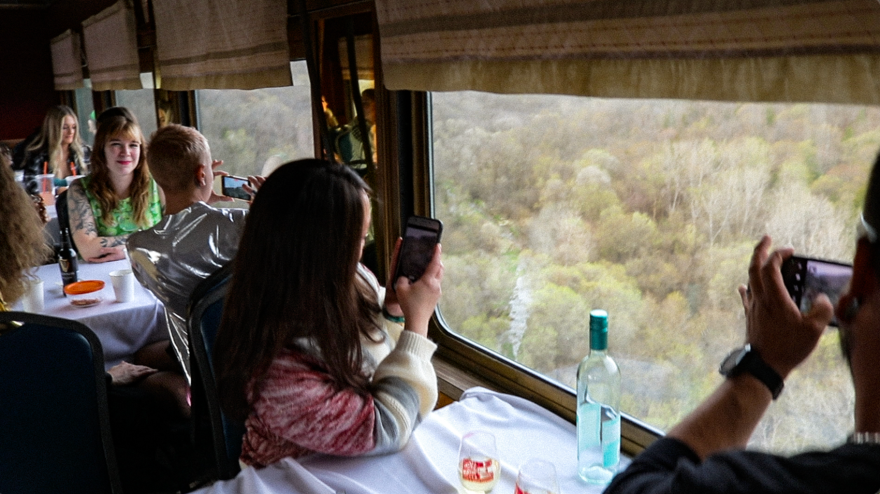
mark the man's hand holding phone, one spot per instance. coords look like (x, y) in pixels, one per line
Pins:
(775, 326)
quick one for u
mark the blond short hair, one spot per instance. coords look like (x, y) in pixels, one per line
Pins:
(174, 153)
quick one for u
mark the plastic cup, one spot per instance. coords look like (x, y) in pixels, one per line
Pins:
(33, 299)
(46, 188)
(123, 284)
(536, 477)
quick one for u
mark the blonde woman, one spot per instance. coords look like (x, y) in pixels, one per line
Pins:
(58, 149)
(118, 198)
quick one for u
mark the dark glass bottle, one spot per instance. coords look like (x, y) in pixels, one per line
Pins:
(67, 259)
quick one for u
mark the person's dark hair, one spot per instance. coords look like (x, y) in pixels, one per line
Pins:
(113, 112)
(295, 276)
(871, 209)
(368, 95)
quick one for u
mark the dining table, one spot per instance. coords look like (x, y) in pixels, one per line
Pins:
(122, 327)
(428, 464)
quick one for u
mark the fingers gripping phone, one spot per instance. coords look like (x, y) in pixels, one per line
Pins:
(805, 278)
(421, 236)
(234, 187)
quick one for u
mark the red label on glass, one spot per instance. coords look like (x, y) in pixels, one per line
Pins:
(477, 471)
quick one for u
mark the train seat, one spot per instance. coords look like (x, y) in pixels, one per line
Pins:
(205, 311)
(54, 421)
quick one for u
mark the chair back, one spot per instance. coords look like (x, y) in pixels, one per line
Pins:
(205, 313)
(54, 421)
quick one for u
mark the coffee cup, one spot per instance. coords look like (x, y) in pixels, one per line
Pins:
(123, 284)
(33, 299)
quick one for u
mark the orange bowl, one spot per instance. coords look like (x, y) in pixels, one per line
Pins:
(83, 287)
(84, 293)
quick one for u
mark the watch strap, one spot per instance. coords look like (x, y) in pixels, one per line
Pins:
(756, 366)
(750, 361)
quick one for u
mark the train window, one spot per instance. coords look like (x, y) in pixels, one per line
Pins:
(85, 110)
(555, 205)
(255, 131)
(142, 103)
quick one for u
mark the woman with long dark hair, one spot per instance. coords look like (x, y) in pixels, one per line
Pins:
(310, 352)
(118, 198)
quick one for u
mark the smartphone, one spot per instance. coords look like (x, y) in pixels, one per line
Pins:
(805, 278)
(233, 187)
(421, 236)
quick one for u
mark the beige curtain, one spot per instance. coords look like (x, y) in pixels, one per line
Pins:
(66, 61)
(752, 50)
(221, 44)
(111, 48)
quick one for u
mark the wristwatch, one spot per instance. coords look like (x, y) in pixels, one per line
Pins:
(744, 359)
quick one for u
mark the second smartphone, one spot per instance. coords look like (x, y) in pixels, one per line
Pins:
(419, 239)
(805, 278)
(234, 187)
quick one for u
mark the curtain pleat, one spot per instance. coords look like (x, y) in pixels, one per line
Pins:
(66, 61)
(784, 50)
(222, 44)
(111, 48)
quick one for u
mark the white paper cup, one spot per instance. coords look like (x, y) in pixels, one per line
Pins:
(33, 300)
(71, 178)
(123, 284)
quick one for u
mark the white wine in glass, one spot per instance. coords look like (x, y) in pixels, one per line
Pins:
(478, 466)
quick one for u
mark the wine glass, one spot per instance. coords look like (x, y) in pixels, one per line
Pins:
(536, 477)
(478, 465)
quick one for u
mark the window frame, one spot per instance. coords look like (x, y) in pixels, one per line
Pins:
(461, 364)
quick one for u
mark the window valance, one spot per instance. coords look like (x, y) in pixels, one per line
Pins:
(784, 50)
(67, 61)
(221, 44)
(111, 48)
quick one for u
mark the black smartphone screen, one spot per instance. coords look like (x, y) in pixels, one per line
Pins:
(233, 187)
(805, 278)
(421, 236)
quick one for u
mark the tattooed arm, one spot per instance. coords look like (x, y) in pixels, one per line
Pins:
(92, 248)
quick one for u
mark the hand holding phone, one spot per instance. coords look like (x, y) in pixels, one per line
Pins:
(805, 278)
(234, 187)
(421, 236)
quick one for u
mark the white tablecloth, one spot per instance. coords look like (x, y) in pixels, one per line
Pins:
(428, 464)
(123, 328)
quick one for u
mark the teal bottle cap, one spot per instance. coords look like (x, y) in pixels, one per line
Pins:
(598, 329)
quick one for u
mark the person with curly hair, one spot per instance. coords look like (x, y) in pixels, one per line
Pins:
(22, 244)
(118, 198)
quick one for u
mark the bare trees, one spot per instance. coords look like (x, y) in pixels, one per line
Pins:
(649, 209)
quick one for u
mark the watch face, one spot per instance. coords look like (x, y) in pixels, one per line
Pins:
(730, 362)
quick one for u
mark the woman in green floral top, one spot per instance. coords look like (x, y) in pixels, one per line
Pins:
(118, 198)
